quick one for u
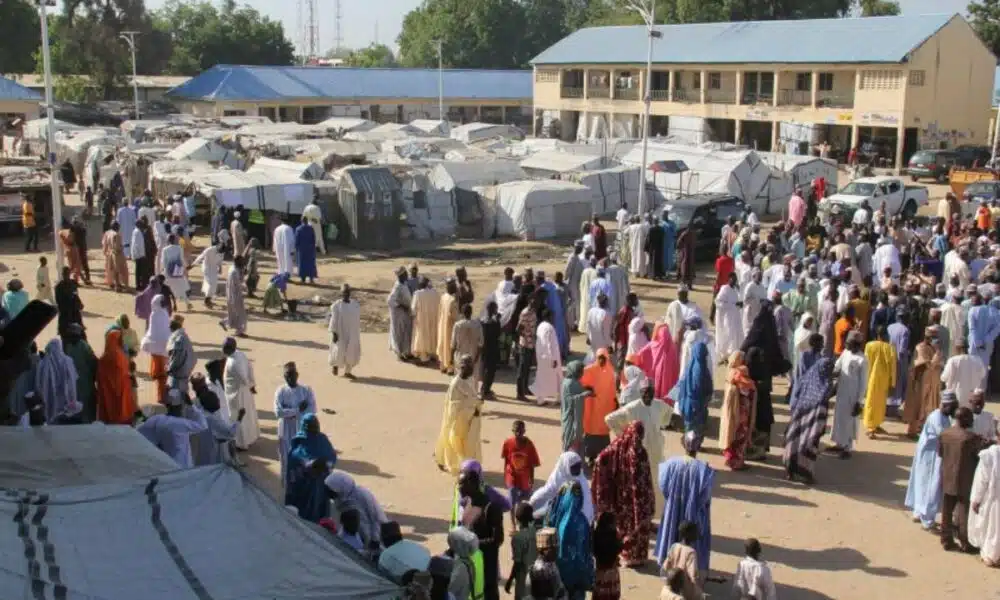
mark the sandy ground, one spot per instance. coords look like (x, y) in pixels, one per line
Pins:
(846, 538)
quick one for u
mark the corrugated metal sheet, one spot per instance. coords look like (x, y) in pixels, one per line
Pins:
(12, 90)
(234, 83)
(823, 41)
(371, 180)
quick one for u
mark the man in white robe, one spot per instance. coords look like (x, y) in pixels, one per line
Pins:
(963, 372)
(127, 219)
(400, 317)
(728, 322)
(238, 234)
(548, 375)
(637, 245)
(952, 320)
(618, 278)
(284, 247)
(291, 401)
(586, 279)
(654, 414)
(160, 235)
(887, 255)
(240, 387)
(600, 328)
(679, 311)
(313, 215)
(345, 333)
(210, 261)
(622, 216)
(753, 296)
(572, 273)
(984, 518)
(425, 305)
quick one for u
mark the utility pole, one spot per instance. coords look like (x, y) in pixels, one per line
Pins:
(338, 39)
(647, 10)
(129, 37)
(440, 49)
(50, 136)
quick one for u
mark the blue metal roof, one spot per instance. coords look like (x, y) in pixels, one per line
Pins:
(823, 41)
(235, 83)
(12, 90)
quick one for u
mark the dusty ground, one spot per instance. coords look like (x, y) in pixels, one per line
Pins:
(846, 538)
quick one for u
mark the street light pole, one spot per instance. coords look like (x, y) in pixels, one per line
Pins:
(55, 177)
(647, 10)
(440, 49)
(129, 36)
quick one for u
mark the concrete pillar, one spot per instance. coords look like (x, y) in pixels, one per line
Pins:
(612, 91)
(670, 85)
(738, 132)
(302, 117)
(814, 89)
(739, 94)
(586, 82)
(611, 124)
(479, 112)
(503, 115)
(777, 89)
(704, 85)
(900, 138)
(775, 136)
(855, 135)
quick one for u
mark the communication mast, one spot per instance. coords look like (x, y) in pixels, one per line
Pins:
(309, 29)
(338, 39)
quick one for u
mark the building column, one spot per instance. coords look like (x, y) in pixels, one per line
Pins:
(855, 135)
(586, 81)
(479, 112)
(775, 136)
(503, 115)
(302, 115)
(611, 84)
(670, 85)
(739, 94)
(704, 85)
(777, 89)
(900, 139)
(814, 89)
(611, 124)
(585, 115)
(738, 131)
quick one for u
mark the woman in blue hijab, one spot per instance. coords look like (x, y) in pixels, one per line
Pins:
(575, 559)
(695, 390)
(309, 461)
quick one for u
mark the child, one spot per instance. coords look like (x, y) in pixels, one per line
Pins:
(524, 550)
(43, 285)
(753, 579)
(673, 585)
(350, 524)
(274, 295)
(682, 556)
(520, 459)
(607, 581)
(15, 298)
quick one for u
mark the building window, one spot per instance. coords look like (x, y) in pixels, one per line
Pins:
(881, 79)
(803, 82)
(697, 81)
(715, 81)
(547, 76)
(825, 83)
(917, 78)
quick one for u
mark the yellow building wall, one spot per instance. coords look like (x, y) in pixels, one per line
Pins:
(954, 104)
(30, 110)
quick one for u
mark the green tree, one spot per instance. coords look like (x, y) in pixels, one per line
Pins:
(986, 21)
(878, 8)
(485, 34)
(21, 34)
(376, 55)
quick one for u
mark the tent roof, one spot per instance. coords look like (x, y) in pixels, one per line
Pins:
(449, 175)
(560, 162)
(301, 170)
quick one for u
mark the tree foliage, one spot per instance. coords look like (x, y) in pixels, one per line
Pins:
(376, 55)
(20, 32)
(986, 21)
(878, 8)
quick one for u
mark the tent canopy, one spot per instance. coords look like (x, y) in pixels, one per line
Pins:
(204, 150)
(546, 162)
(262, 190)
(471, 132)
(432, 126)
(307, 171)
(539, 209)
(450, 175)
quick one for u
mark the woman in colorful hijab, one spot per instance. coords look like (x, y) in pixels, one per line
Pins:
(623, 485)
(346, 494)
(569, 468)
(810, 408)
(155, 344)
(634, 382)
(573, 397)
(574, 558)
(695, 389)
(116, 402)
(458, 504)
(660, 361)
(311, 458)
(129, 337)
(738, 413)
(55, 382)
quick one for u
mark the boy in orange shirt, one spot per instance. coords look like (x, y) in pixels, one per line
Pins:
(520, 459)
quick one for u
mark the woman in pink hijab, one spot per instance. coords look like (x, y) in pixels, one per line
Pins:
(660, 360)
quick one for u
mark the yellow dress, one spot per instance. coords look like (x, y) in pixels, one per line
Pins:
(881, 379)
(459, 438)
(447, 315)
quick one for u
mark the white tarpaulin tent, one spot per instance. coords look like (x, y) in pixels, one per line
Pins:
(261, 190)
(537, 209)
(37, 129)
(306, 171)
(432, 127)
(447, 176)
(167, 177)
(473, 132)
(803, 169)
(205, 150)
(553, 162)
(610, 187)
(346, 124)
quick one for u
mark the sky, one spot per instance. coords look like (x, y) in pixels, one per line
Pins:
(363, 20)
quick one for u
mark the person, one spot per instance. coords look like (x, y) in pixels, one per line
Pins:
(447, 316)
(683, 557)
(549, 357)
(154, 343)
(465, 293)
(828, 315)
(29, 224)
(284, 247)
(599, 382)
(292, 402)
(138, 253)
(459, 437)
(305, 252)
(694, 390)
(728, 322)
(55, 382)
(639, 405)
(673, 585)
(309, 459)
(568, 469)
(425, 305)
(347, 494)
(492, 328)
(660, 361)
(963, 372)
(212, 445)
(526, 328)
(313, 215)
(520, 459)
(485, 519)
(797, 208)
(174, 264)
(844, 325)
(115, 264)
(753, 579)
(116, 402)
(43, 284)
(599, 326)
(237, 233)
(554, 303)
(899, 337)
(984, 327)
(171, 432)
(654, 248)
(180, 356)
(923, 491)
(250, 267)
(126, 218)
(15, 298)
(607, 547)
(467, 338)
(851, 373)
(637, 233)
(85, 363)
(400, 321)
(586, 280)
(572, 398)
(810, 409)
(959, 451)
(345, 333)
(984, 520)
(240, 388)
(623, 486)
(524, 551)
(685, 256)
(236, 309)
(984, 424)
(573, 271)
(738, 407)
(466, 581)
(686, 483)
(401, 556)
(210, 261)
(882, 374)
(574, 559)
(924, 384)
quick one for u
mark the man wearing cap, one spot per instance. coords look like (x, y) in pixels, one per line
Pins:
(686, 483)
(959, 451)
(180, 356)
(172, 432)
(963, 372)
(679, 311)
(887, 257)
(345, 333)
(984, 327)
(240, 387)
(923, 493)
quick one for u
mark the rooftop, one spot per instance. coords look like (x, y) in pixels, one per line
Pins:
(12, 90)
(34, 80)
(820, 41)
(235, 83)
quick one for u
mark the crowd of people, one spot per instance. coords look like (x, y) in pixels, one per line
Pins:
(870, 316)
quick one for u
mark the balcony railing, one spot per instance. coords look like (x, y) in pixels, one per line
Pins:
(660, 95)
(571, 92)
(687, 95)
(835, 101)
(757, 98)
(794, 98)
(597, 92)
(626, 93)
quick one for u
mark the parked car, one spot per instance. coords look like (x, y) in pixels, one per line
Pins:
(899, 198)
(970, 156)
(934, 164)
(706, 214)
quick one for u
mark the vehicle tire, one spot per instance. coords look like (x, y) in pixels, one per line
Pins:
(914, 178)
(909, 210)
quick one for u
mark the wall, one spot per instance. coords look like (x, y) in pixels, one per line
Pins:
(30, 110)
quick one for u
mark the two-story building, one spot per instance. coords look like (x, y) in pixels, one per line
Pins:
(887, 85)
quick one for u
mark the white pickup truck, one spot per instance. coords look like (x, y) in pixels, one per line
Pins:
(899, 198)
